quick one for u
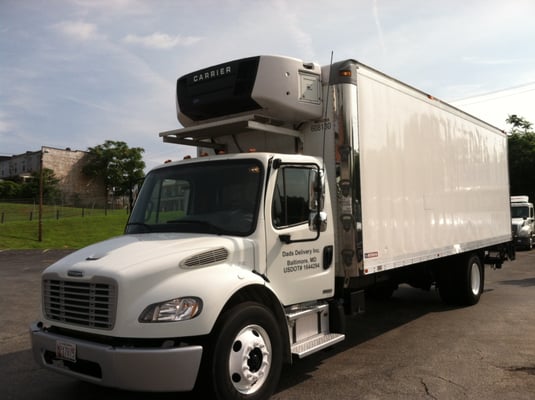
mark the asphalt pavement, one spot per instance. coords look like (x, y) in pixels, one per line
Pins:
(409, 347)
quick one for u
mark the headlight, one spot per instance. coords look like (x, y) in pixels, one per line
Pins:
(179, 309)
(525, 231)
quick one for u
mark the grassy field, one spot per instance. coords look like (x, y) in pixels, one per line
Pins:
(62, 228)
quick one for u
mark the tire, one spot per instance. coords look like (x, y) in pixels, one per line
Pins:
(463, 283)
(473, 280)
(247, 358)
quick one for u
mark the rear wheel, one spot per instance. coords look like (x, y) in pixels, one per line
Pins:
(474, 281)
(247, 357)
(462, 283)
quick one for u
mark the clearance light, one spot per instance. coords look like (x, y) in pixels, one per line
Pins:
(204, 154)
(252, 150)
(221, 152)
(187, 157)
(345, 73)
(167, 161)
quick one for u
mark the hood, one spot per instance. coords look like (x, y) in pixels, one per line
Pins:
(152, 253)
(518, 221)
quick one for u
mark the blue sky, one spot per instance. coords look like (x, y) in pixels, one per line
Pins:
(74, 73)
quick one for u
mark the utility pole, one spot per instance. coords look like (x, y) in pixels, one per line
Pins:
(41, 177)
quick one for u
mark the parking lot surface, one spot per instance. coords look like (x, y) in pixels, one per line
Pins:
(409, 347)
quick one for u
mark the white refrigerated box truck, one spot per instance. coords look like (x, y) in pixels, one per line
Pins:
(311, 187)
(522, 222)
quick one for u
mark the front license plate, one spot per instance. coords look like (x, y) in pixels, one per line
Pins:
(66, 351)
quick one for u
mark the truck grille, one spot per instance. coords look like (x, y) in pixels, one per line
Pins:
(514, 228)
(90, 304)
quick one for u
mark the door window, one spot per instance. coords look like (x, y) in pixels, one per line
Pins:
(291, 199)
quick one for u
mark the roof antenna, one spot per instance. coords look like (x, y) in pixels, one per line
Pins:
(325, 108)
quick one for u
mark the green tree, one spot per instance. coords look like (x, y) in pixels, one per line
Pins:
(9, 189)
(521, 156)
(51, 192)
(519, 124)
(118, 165)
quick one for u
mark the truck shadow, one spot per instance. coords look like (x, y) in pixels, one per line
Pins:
(381, 316)
(520, 282)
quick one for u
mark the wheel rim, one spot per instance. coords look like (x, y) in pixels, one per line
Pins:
(250, 359)
(475, 278)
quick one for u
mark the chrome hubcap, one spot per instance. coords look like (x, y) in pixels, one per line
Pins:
(475, 278)
(250, 359)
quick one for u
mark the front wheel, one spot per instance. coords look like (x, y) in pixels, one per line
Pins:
(247, 357)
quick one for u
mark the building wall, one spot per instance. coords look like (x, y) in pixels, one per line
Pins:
(21, 165)
(76, 188)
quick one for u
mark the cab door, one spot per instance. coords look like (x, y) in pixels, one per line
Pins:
(299, 233)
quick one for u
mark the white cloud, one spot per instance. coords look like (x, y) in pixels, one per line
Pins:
(495, 107)
(159, 40)
(78, 30)
(114, 7)
(82, 71)
(377, 20)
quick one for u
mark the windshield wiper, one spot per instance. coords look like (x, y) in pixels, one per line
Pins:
(144, 225)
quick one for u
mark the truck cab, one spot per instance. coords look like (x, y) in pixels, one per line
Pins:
(227, 261)
(522, 222)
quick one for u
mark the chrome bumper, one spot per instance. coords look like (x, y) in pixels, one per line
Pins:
(142, 369)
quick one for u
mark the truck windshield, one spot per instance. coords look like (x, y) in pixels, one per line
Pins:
(220, 197)
(519, 212)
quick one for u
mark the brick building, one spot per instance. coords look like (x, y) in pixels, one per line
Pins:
(76, 188)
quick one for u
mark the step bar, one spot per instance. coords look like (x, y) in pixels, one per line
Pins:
(317, 343)
(308, 327)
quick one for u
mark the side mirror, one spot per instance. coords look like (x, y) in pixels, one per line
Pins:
(316, 190)
(317, 221)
